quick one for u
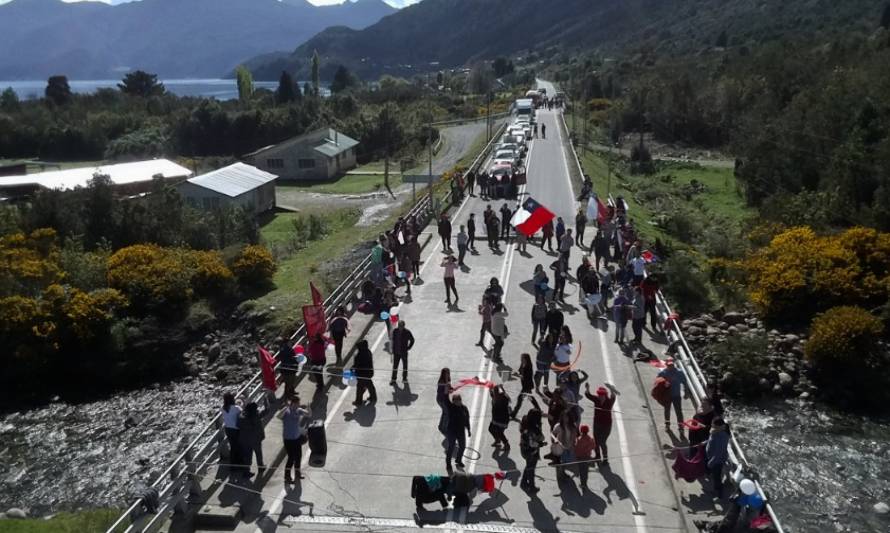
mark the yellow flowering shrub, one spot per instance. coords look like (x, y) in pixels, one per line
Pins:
(88, 313)
(28, 263)
(17, 315)
(209, 273)
(152, 278)
(841, 335)
(800, 273)
(254, 265)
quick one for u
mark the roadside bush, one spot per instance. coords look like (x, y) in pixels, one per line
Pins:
(154, 279)
(685, 285)
(254, 266)
(800, 273)
(210, 277)
(849, 361)
(28, 263)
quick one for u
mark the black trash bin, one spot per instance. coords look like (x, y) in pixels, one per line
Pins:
(318, 443)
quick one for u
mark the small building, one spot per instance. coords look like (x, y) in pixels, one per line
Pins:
(319, 155)
(235, 185)
(128, 178)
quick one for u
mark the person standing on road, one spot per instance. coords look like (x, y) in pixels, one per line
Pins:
(492, 226)
(717, 452)
(485, 311)
(565, 245)
(294, 436)
(450, 266)
(471, 232)
(560, 230)
(639, 316)
(539, 319)
(536, 131)
(531, 438)
(500, 417)
(543, 131)
(639, 270)
(649, 287)
(363, 368)
(402, 342)
(251, 435)
(471, 182)
(602, 419)
(580, 226)
(547, 235)
(339, 328)
(601, 249)
(444, 229)
(506, 215)
(526, 374)
(443, 392)
(458, 431)
(316, 351)
(499, 331)
(413, 249)
(677, 380)
(560, 274)
(287, 365)
(231, 415)
(544, 359)
(463, 241)
(583, 448)
(555, 319)
(620, 312)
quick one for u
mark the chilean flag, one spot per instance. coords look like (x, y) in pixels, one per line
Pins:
(596, 210)
(531, 217)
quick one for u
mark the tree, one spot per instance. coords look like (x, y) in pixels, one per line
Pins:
(316, 80)
(502, 67)
(481, 79)
(287, 89)
(98, 210)
(389, 130)
(245, 83)
(141, 83)
(885, 18)
(9, 101)
(58, 90)
(343, 79)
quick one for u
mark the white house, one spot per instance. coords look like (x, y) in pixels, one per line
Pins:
(322, 154)
(236, 185)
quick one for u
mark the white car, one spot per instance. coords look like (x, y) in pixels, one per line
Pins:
(506, 156)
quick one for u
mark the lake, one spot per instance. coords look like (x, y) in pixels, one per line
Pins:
(210, 88)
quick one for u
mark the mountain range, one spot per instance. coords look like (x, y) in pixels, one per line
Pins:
(451, 33)
(172, 38)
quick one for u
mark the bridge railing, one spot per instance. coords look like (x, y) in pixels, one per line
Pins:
(691, 368)
(180, 481)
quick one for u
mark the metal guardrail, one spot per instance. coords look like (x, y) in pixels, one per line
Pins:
(181, 480)
(693, 371)
(459, 121)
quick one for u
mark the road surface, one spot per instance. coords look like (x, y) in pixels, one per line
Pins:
(373, 451)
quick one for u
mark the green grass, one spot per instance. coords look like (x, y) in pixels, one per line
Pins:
(351, 183)
(79, 522)
(298, 268)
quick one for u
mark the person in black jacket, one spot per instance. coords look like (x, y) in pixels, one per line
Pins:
(526, 375)
(471, 232)
(287, 366)
(458, 423)
(555, 319)
(402, 342)
(500, 417)
(445, 232)
(363, 367)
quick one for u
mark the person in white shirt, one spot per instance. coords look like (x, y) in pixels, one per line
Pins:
(231, 413)
(639, 266)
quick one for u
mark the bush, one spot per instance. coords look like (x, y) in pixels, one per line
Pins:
(850, 363)
(210, 277)
(153, 278)
(686, 285)
(800, 273)
(254, 266)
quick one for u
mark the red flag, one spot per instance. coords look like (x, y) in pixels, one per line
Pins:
(267, 366)
(316, 295)
(313, 317)
(602, 212)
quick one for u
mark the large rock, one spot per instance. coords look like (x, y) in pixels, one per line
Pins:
(695, 330)
(213, 351)
(734, 318)
(15, 512)
(881, 508)
(785, 379)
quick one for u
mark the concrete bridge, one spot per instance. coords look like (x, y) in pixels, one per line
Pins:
(375, 450)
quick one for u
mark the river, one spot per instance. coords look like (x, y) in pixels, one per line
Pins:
(825, 470)
(210, 88)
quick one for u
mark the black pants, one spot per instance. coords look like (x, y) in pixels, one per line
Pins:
(716, 473)
(653, 315)
(486, 326)
(542, 375)
(637, 326)
(461, 253)
(338, 342)
(415, 268)
(235, 455)
(579, 236)
(549, 240)
(449, 288)
(395, 366)
(519, 402)
(539, 327)
(470, 244)
(560, 288)
(460, 442)
(528, 474)
(505, 231)
(446, 242)
(498, 433)
(492, 239)
(601, 437)
(294, 449)
(365, 384)
(498, 345)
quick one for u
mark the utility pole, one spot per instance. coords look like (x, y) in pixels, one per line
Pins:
(574, 106)
(488, 114)
(429, 141)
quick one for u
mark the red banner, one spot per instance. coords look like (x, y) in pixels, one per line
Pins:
(316, 295)
(313, 317)
(267, 366)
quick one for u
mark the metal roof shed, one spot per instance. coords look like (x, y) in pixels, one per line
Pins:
(238, 184)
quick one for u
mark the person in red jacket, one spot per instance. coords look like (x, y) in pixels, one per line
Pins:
(584, 445)
(317, 358)
(650, 290)
(602, 419)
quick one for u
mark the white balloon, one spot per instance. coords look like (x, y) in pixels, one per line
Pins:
(353, 381)
(747, 487)
(394, 311)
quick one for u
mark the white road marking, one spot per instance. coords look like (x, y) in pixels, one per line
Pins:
(631, 482)
(396, 523)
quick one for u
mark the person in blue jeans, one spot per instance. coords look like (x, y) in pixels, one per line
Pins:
(677, 379)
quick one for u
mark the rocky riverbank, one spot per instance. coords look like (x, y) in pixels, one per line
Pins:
(737, 351)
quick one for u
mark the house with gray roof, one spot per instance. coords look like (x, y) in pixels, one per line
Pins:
(235, 185)
(319, 155)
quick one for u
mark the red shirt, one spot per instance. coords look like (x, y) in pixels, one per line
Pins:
(584, 446)
(602, 414)
(650, 289)
(316, 352)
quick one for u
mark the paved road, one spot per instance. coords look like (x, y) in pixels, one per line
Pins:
(374, 450)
